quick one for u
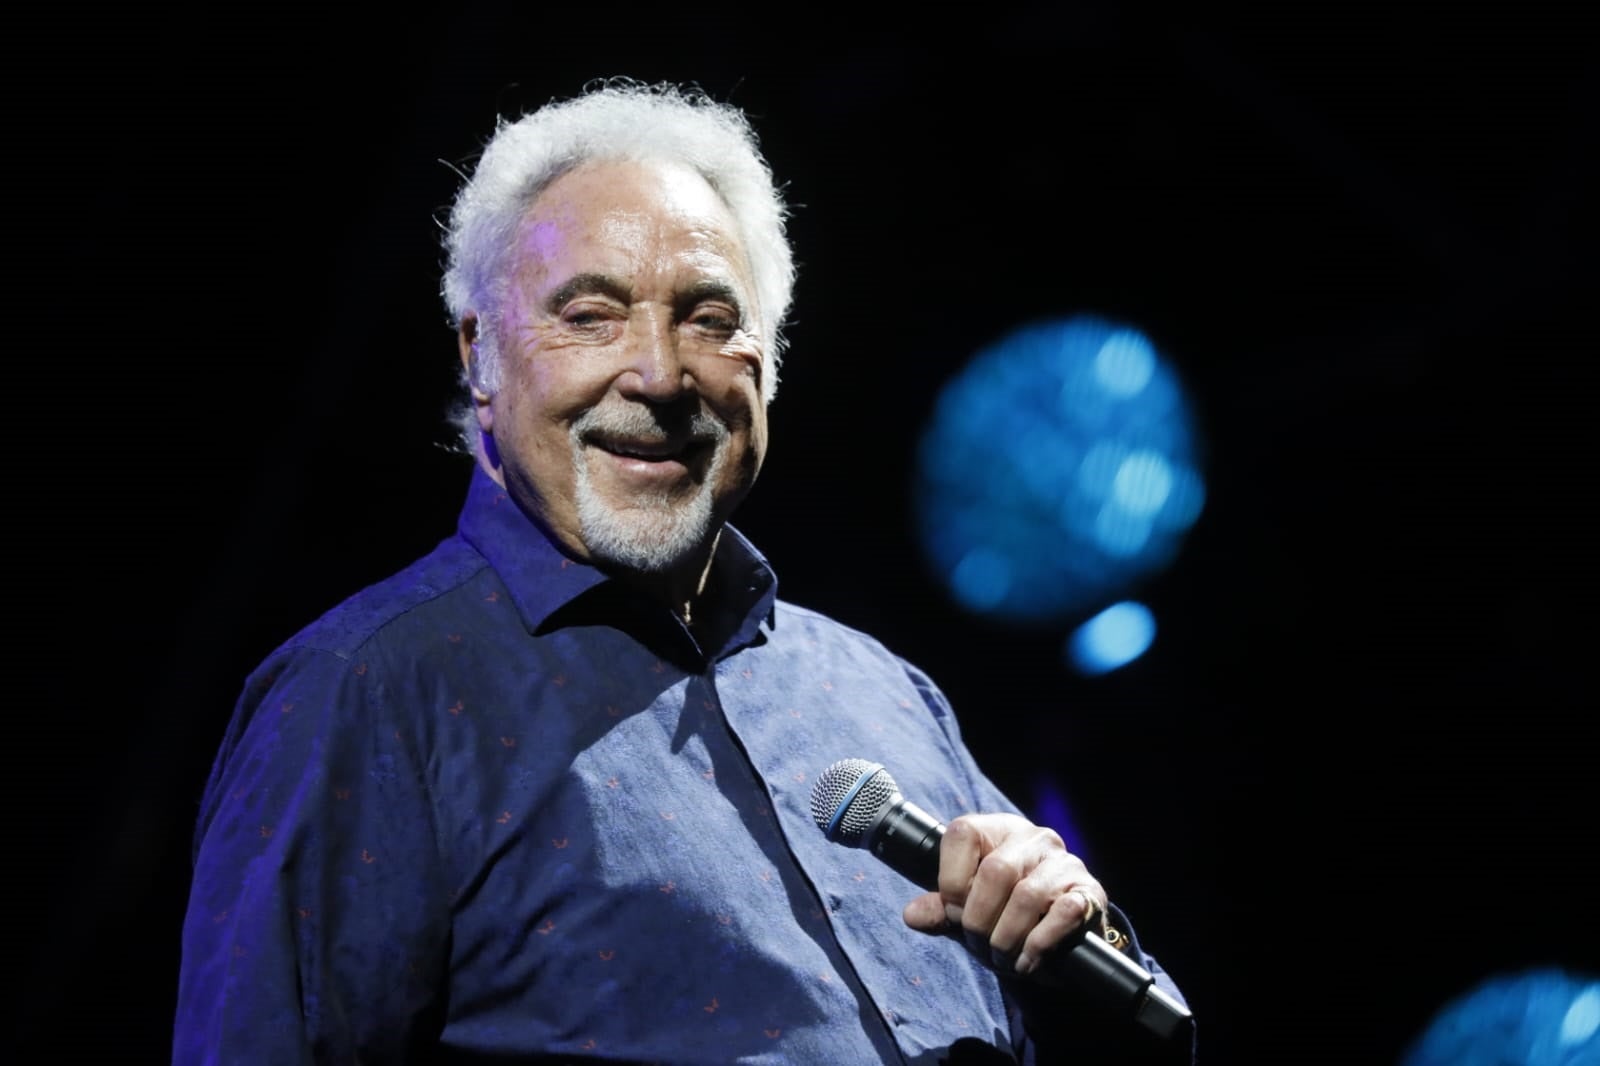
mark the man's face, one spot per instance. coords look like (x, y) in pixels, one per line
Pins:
(630, 418)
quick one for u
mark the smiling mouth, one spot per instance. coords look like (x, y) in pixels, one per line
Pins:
(655, 445)
(686, 453)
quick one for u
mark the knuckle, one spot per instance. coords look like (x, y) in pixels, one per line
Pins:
(1033, 895)
(1049, 838)
(1065, 905)
(962, 829)
(999, 868)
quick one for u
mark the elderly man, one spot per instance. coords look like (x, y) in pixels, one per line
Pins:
(546, 795)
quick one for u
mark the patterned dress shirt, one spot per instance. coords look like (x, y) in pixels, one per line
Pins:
(498, 809)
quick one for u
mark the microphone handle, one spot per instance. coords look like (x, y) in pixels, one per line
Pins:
(907, 838)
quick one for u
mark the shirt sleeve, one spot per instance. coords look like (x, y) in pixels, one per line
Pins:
(318, 914)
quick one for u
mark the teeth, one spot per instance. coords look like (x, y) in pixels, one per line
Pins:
(642, 453)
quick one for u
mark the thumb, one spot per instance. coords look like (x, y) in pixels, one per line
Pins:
(927, 913)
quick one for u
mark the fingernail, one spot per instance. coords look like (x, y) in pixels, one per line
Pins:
(1025, 963)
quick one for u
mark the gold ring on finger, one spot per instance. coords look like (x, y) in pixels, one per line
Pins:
(1090, 907)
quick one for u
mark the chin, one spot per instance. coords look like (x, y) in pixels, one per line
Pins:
(650, 539)
(649, 534)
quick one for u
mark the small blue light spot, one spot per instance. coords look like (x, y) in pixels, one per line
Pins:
(1124, 364)
(1582, 1018)
(1114, 637)
(1142, 483)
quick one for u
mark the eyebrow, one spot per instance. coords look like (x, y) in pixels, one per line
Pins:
(710, 289)
(588, 284)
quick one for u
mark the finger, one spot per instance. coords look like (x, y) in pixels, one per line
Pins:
(926, 913)
(1003, 865)
(1068, 912)
(964, 846)
(1034, 899)
(1015, 885)
(1029, 903)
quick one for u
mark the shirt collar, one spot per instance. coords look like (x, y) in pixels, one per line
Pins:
(542, 579)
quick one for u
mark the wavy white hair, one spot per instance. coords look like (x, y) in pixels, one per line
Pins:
(613, 119)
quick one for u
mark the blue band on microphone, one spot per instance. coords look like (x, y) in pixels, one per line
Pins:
(844, 803)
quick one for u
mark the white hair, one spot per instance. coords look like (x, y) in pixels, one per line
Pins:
(613, 119)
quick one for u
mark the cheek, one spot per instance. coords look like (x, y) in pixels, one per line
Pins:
(758, 437)
(742, 412)
(754, 445)
(528, 431)
(551, 389)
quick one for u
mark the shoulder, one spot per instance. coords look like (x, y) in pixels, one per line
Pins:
(835, 639)
(425, 595)
(792, 620)
(341, 689)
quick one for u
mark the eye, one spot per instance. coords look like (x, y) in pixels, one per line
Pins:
(715, 319)
(587, 316)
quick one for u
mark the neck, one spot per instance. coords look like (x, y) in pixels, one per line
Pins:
(680, 588)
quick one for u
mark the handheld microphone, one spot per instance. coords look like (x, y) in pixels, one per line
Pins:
(858, 804)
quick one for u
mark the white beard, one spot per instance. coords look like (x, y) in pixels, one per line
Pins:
(653, 532)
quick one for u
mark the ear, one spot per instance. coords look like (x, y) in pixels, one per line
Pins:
(467, 344)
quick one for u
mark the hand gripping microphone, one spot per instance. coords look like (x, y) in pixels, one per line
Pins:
(857, 803)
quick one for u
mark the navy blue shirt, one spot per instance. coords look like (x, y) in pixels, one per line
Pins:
(498, 807)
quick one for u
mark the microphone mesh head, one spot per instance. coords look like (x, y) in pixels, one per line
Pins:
(873, 788)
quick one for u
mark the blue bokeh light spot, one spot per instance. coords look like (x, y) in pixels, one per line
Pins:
(1125, 363)
(1582, 1019)
(1544, 1017)
(1059, 467)
(1143, 483)
(1114, 637)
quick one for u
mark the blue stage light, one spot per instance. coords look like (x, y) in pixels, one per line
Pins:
(1544, 1017)
(1114, 637)
(1060, 466)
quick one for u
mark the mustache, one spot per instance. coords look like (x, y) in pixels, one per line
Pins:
(683, 425)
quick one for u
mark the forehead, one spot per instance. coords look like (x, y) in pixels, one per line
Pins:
(631, 216)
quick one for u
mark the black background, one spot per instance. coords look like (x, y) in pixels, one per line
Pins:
(1353, 777)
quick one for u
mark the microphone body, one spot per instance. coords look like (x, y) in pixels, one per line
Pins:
(857, 803)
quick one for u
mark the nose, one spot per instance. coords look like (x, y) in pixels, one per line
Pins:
(655, 370)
